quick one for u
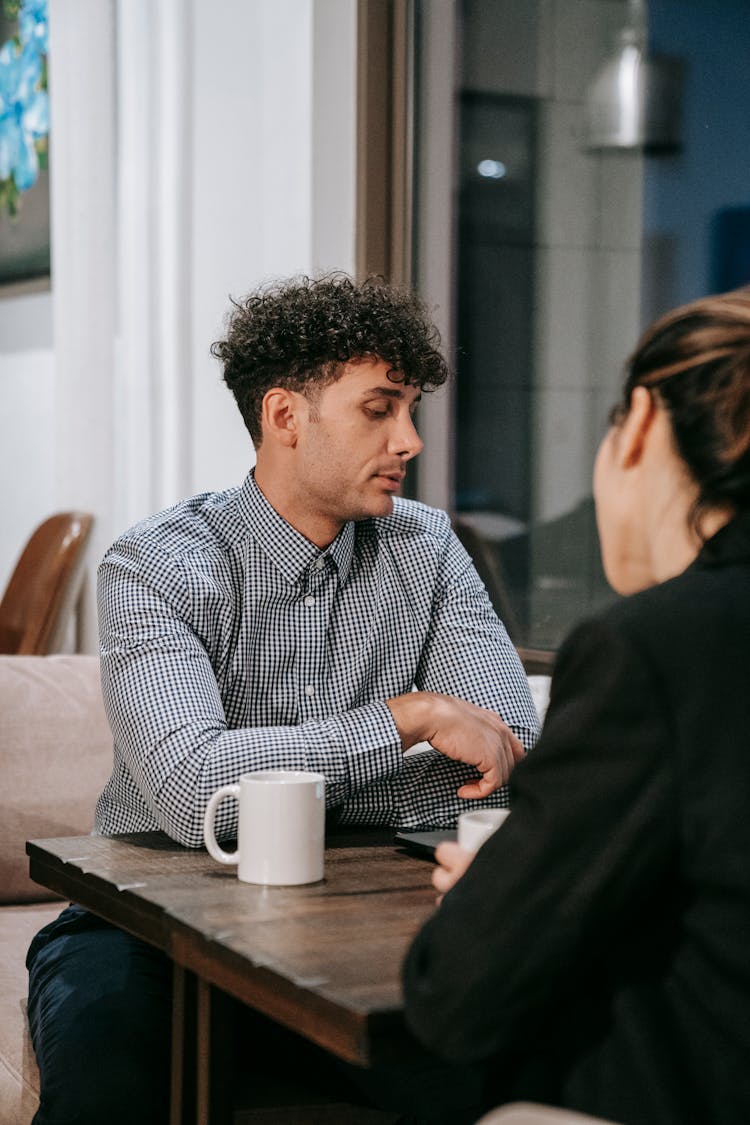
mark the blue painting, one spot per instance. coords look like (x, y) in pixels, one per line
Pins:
(24, 140)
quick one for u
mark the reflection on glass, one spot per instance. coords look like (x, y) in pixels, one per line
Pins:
(563, 252)
(491, 169)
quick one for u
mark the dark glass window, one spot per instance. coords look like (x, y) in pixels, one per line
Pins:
(566, 242)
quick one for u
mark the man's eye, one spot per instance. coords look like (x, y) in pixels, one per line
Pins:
(375, 413)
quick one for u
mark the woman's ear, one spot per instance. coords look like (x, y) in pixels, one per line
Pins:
(636, 427)
(279, 416)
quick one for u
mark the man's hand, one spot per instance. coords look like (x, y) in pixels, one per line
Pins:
(453, 860)
(462, 731)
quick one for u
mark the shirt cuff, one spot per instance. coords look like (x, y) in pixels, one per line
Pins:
(369, 741)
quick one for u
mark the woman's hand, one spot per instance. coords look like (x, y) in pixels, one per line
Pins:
(452, 860)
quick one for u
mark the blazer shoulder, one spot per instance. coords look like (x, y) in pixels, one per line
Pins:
(698, 620)
(680, 605)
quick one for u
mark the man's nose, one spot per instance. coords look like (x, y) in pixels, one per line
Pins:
(405, 441)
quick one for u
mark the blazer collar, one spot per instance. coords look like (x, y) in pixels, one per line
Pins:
(729, 545)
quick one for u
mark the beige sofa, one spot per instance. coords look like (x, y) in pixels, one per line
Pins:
(55, 755)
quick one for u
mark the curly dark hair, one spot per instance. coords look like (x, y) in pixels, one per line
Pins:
(298, 334)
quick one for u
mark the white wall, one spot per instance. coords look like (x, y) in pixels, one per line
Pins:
(273, 181)
(436, 189)
(251, 175)
(26, 408)
(204, 150)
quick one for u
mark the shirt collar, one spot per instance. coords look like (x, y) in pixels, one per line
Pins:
(289, 550)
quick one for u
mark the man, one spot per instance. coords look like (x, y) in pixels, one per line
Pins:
(282, 624)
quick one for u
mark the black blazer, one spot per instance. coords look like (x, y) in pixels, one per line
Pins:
(597, 951)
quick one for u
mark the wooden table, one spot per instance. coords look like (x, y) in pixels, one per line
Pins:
(323, 960)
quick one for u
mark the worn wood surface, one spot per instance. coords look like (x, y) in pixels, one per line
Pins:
(323, 960)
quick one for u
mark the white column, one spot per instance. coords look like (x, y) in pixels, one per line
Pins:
(435, 267)
(137, 427)
(172, 159)
(121, 250)
(251, 181)
(82, 166)
(334, 98)
(155, 119)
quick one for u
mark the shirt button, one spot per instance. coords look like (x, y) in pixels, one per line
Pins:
(309, 690)
(320, 563)
(309, 600)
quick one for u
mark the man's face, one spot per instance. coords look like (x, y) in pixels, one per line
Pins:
(354, 441)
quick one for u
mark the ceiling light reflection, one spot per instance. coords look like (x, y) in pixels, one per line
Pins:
(491, 169)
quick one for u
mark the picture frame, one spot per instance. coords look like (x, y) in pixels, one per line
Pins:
(24, 138)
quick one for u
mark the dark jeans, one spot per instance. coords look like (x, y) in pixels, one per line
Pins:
(100, 1019)
(100, 1006)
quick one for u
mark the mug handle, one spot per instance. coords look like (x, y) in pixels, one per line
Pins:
(209, 833)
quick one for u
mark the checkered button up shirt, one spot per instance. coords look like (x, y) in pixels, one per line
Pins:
(230, 643)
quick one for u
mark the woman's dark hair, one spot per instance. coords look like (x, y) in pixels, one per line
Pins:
(696, 360)
(298, 335)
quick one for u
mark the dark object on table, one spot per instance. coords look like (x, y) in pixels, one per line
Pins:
(424, 843)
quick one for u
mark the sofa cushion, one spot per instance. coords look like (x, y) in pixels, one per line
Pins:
(55, 756)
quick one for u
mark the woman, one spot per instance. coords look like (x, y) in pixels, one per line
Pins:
(596, 951)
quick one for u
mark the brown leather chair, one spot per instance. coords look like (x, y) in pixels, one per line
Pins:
(45, 586)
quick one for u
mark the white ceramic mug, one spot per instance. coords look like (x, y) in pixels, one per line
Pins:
(477, 826)
(281, 827)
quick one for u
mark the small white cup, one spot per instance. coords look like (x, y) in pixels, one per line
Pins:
(281, 827)
(477, 826)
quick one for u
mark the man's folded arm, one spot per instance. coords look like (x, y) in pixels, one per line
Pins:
(468, 652)
(168, 719)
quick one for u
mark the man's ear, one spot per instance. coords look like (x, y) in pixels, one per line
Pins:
(279, 416)
(636, 427)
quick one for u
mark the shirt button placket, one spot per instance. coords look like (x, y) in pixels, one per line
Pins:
(315, 631)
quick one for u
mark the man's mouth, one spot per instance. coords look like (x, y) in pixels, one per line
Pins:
(391, 481)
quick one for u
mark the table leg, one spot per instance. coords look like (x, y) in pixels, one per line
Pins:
(182, 1083)
(215, 1059)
